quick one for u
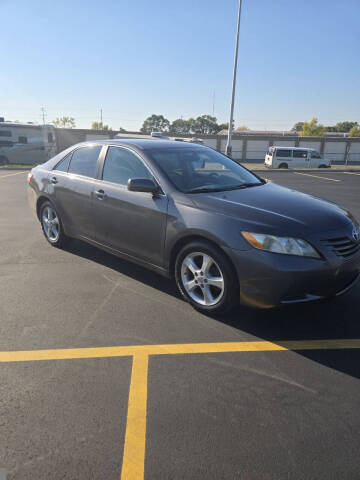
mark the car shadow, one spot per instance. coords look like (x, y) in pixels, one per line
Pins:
(336, 319)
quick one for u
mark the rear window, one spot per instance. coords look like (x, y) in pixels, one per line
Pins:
(283, 153)
(84, 161)
(300, 153)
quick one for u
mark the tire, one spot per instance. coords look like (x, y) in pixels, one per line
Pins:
(322, 166)
(208, 264)
(283, 165)
(4, 160)
(53, 232)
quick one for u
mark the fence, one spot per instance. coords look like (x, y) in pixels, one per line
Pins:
(246, 147)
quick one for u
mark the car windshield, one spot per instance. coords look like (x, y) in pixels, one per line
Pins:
(202, 170)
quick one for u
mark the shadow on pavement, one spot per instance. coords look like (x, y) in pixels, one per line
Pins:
(337, 319)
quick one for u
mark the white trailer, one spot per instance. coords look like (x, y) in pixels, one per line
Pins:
(26, 143)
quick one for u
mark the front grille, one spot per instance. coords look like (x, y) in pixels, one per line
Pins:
(342, 246)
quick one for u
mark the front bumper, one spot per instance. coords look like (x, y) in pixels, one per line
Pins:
(269, 279)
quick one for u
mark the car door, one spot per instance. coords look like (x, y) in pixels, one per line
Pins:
(315, 158)
(132, 223)
(72, 184)
(300, 158)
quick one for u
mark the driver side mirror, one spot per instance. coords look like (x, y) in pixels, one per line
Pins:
(142, 185)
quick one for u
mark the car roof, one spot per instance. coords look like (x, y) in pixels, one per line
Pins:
(293, 148)
(145, 144)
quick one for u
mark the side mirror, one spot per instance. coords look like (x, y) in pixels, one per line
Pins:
(142, 185)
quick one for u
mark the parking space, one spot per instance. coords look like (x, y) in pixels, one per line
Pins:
(255, 395)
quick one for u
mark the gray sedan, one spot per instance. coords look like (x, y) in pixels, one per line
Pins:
(190, 213)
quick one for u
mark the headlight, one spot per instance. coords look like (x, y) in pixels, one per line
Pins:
(287, 245)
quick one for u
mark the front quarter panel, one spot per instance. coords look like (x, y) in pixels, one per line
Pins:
(186, 220)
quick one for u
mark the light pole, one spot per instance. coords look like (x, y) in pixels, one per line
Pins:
(228, 150)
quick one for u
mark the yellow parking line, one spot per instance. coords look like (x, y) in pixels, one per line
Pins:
(11, 174)
(174, 349)
(351, 173)
(135, 434)
(317, 176)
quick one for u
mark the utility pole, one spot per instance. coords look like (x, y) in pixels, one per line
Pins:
(228, 150)
(43, 114)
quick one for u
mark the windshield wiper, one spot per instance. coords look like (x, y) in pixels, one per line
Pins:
(223, 189)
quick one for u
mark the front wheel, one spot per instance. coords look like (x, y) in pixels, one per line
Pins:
(206, 278)
(283, 165)
(51, 225)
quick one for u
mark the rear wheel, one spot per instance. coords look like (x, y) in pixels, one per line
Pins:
(322, 166)
(206, 279)
(4, 160)
(283, 165)
(51, 225)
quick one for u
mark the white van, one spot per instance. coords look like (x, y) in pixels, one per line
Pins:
(295, 157)
(26, 143)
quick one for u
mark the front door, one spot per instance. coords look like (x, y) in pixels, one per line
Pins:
(132, 223)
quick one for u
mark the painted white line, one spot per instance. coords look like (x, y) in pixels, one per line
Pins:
(11, 174)
(317, 176)
(351, 173)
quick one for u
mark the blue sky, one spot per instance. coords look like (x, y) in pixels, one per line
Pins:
(297, 59)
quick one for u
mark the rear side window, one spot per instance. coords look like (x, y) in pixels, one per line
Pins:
(283, 153)
(64, 164)
(300, 153)
(23, 140)
(84, 161)
(121, 164)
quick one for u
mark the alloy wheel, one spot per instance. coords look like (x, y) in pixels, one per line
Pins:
(50, 223)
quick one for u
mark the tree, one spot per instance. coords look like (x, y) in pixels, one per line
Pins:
(122, 130)
(180, 126)
(242, 128)
(297, 127)
(355, 131)
(312, 129)
(345, 126)
(155, 123)
(100, 126)
(64, 122)
(225, 126)
(204, 125)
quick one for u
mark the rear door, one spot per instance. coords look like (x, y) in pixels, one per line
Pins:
(129, 222)
(73, 183)
(300, 158)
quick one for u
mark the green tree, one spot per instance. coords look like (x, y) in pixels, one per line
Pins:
(355, 131)
(345, 126)
(122, 130)
(100, 126)
(64, 122)
(155, 123)
(180, 126)
(312, 129)
(204, 125)
(297, 127)
(243, 128)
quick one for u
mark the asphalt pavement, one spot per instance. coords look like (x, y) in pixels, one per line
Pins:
(261, 395)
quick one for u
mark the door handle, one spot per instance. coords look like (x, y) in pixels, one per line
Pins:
(100, 194)
(53, 180)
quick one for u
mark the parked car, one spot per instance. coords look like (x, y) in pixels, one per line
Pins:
(190, 213)
(295, 157)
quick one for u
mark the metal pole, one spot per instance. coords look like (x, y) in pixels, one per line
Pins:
(228, 150)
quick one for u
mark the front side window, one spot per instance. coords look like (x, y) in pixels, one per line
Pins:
(300, 153)
(23, 140)
(202, 170)
(283, 153)
(84, 161)
(122, 164)
(315, 154)
(5, 133)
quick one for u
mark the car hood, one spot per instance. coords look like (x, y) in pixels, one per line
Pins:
(275, 209)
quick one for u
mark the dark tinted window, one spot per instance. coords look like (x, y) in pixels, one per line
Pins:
(122, 164)
(315, 154)
(84, 160)
(300, 153)
(5, 133)
(64, 164)
(23, 140)
(283, 153)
